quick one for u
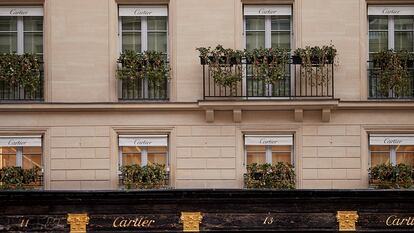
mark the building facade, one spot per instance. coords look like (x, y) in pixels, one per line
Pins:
(84, 123)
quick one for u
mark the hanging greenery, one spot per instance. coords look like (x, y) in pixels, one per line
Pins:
(19, 178)
(392, 67)
(223, 64)
(150, 65)
(268, 176)
(269, 65)
(21, 70)
(387, 176)
(144, 177)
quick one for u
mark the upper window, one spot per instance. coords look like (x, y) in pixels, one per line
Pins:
(269, 149)
(21, 31)
(144, 28)
(391, 27)
(391, 149)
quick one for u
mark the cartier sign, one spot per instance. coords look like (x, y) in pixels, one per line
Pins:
(21, 11)
(390, 10)
(267, 10)
(20, 141)
(392, 140)
(130, 10)
(143, 140)
(268, 140)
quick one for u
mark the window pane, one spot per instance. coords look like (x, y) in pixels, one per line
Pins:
(378, 23)
(256, 154)
(131, 23)
(281, 148)
(157, 158)
(281, 157)
(32, 23)
(7, 160)
(8, 24)
(131, 41)
(30, 161)
(280, 22)
(380, 148)
(405, 148)
(404, 22)
(379, 158)
(131, 149)
(8, 42)
(131, 159)
(157, 23)
(406, 158)
(378, 41)
(404, 41)
(281, 40)
(255, 23)
(157, 41)
(157, 149)
(33, 42)
(255, 40)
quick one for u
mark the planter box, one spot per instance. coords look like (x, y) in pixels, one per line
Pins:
(222, 60)
(298, 60)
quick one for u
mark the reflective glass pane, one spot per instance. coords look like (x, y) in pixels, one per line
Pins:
(131, 41)
(157, 23)
(380, 148)
(8, 42)
(7, 160)
(255, 23)
(255, 40)
(32, 150)
(131, 149)
(33, 42)
(280, 22)
(157, 158)
(406, 158)
(378, 22)
(131, 159)
(281, 40)
(157, 41)
(281, 157)
(404, 22)
(405, 148)
(404, 41)
(157, 149)
(256, 157)
(33, 23)
(8, 23)
(378, 158)
(378, 41)
(281, 148)
(131, 23)
(32, 160)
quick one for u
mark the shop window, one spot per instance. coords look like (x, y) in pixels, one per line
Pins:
(24, 152)
(269, 149)
(391, 149)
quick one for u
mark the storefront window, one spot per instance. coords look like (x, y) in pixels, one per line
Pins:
(25, 152)
(391, 149)
(269, 149)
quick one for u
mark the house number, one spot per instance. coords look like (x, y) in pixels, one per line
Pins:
(268, 221)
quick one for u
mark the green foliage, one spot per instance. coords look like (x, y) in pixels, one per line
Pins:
(19, 178)
(224, 64)
(314, 60)
(387, 176)
(150, 65)
(267, 176)
(393, 71)
(21, 70)
(144, 177)
(269, 65)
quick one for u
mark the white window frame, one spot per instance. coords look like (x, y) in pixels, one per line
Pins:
(144, 47)
(268, 44)
(393, 148)
(19, 149)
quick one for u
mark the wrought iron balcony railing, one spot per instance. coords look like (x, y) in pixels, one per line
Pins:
(315, 81)
(376, 85)
(143, 90)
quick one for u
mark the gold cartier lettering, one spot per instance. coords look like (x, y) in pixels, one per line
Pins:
(394, 220)
(138, 222)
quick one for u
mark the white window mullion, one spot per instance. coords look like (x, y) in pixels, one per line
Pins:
(144, 34)
(393, 155)
(391, 32)
(19, 156)
(144, 156)
(268, 31)
(269, 154)
(20, 35)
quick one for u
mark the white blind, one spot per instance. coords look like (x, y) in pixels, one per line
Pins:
(390, 10)
(128, 10)
(21, 11)
(400, 139)
(143, 140)
(267, 10)
(17, 141)
(268, 140)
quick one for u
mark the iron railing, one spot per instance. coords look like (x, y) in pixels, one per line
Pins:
(375, 91)
(315, 81)
(143, 90)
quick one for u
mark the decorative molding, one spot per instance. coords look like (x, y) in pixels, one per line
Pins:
(298, 115)
(210, 115)
(237, 115)
(78, 222)
(326, 115)
(191, 221)
(347, 220)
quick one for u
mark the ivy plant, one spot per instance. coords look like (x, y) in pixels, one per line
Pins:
(150, 65)
(19, 178)
(268, 176)
(151, 176)
(21, 70)
(392, 67)
(387, 176)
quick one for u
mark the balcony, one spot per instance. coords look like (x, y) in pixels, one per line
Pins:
(381, 89)
(300, 82)
(143, 90)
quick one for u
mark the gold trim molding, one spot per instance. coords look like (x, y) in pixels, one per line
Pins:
(191, 221)
(78, 222)
(347, 220)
